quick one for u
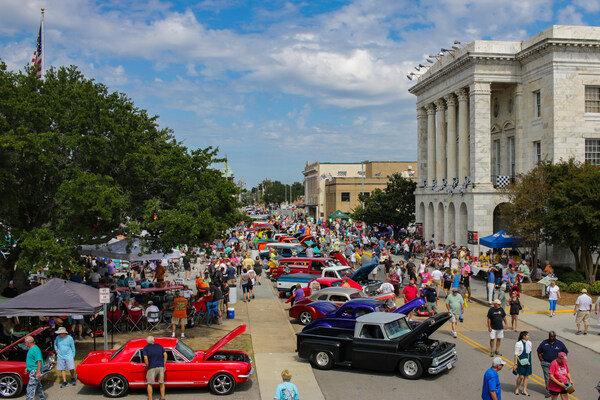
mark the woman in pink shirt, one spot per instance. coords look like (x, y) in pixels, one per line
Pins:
(560, 378)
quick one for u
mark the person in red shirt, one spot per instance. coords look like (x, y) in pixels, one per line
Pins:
(410, 293)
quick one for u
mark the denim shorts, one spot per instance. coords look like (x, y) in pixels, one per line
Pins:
(64, 364)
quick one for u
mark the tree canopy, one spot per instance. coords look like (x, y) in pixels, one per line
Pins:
(561, 203)
(395, 205)
(80, 164)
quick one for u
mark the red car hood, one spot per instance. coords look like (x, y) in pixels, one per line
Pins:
(226, 339)
(96, 357)
(13, 344)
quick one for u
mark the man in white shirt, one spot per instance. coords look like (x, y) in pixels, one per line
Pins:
(151, 309)
(583, 305)
(187, 292)
(386, 288)
(437, 275)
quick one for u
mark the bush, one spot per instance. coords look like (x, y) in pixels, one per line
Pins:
(576, 287)
(571, 277)
(562, 286)
(595, 288)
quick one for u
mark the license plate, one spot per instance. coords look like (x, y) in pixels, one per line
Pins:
(450, 366)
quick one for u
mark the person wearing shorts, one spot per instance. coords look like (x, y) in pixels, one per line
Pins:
(496, 316)
(155, 358)
(246, 283)
(65, 355)
(77, 326)
(179, 314)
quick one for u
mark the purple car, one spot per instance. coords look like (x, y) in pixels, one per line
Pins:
(345, 316)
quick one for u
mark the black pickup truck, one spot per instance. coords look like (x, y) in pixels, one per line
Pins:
(380, 341)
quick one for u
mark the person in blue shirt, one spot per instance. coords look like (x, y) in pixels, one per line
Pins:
(155, 358)
(286, 390)
(547, 352)
(491, 381)
(34, 363)
(65, 355)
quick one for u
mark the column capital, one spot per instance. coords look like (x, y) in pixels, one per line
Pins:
(440, 105)
(430, 108)
(450, 100)
(480, 88)
(462, 95)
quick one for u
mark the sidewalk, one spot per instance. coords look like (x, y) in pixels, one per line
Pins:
(274, 344)
(535, 313)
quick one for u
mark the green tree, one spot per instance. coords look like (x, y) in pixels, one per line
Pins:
(79, 165)
(395, 205)
(526, 209)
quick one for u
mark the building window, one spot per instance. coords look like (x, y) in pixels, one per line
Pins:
(592, 99)
(345, 196)
(511, 156)
(496, 148)
(341, 173)
(537, 151)
(592, 151)
(537, 104)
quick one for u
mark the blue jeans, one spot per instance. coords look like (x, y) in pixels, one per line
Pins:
(34, 387)
(552, 305)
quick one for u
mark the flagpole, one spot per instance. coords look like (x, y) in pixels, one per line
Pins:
(43, 46)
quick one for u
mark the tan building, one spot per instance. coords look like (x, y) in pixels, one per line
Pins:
(335, 186)
(490, 111)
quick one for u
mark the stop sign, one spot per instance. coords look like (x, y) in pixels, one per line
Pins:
(358, 225)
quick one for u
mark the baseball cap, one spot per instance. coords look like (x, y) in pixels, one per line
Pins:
(455, 289)
(562, 355)
(498, 361)
(496, 302)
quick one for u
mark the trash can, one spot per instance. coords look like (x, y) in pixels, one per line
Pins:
(233, 294)
(230, 313)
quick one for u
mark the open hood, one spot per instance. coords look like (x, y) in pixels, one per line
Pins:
(425, 329)
(224, 340)
(362, 274)
(13, 344)
(411, 305)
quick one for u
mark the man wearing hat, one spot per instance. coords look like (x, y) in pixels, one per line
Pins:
(455, 304)
(65, 355)
(491, 381)
(583, 305)
(10, 291)
(495, 319)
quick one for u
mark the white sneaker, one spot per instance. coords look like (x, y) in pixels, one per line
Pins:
(454, 334)
(182, 336)
(173, 334)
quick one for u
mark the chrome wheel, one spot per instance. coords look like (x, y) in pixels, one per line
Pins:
(411, 368)
(114, 386)
(305, 318)
(222, 384)
(10, 386)
(322, 360)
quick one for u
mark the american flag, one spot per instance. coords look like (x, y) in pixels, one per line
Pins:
(36, 61)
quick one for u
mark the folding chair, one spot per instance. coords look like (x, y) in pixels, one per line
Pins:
(199, 312)
(135, 320)
(153, 319)
(115, 320)
(167, 317)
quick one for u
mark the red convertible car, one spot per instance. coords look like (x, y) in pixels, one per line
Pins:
(117, 370)
(13, 375)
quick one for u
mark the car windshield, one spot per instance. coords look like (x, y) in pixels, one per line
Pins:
(397, 328)
(357, 295)
(185, 350)
(117, 352)
(333, 263)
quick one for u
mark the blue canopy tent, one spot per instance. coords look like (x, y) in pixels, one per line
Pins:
(500, 240)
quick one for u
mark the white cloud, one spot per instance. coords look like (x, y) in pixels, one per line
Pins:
(569, 16)
(591, 6)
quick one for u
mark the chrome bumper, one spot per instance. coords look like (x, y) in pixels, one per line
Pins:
(247, 376)
(443, 366)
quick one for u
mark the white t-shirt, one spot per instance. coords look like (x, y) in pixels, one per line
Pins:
(437, 275)
(421, 268)
(584, 302)
(386, 287)
(553, 292)
(150, 309)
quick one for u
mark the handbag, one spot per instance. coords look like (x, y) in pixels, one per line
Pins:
(570, 389)
(524, 361)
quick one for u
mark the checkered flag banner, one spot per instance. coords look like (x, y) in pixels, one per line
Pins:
(425, 184)
(454, 185)
(464, 185)
(502, 181)
(434, 186)
(444, 184)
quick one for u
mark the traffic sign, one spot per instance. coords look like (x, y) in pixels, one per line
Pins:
(358, 225)
(104, 295)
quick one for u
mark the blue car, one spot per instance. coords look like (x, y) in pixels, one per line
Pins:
(345, 316)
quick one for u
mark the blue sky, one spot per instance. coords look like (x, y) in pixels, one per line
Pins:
(272, 84)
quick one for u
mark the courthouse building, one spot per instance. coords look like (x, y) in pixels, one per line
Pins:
(491, 110)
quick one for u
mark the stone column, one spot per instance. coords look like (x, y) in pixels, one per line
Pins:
(480, 133)
(463, 134)
(451, 154)
(430, 143)
(421, 145)
(520, 144)
(440, 152)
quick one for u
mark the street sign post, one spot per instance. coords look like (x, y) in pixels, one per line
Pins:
(104, 300)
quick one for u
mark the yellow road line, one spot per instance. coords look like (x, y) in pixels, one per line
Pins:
(483, 349)
(547, 312)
